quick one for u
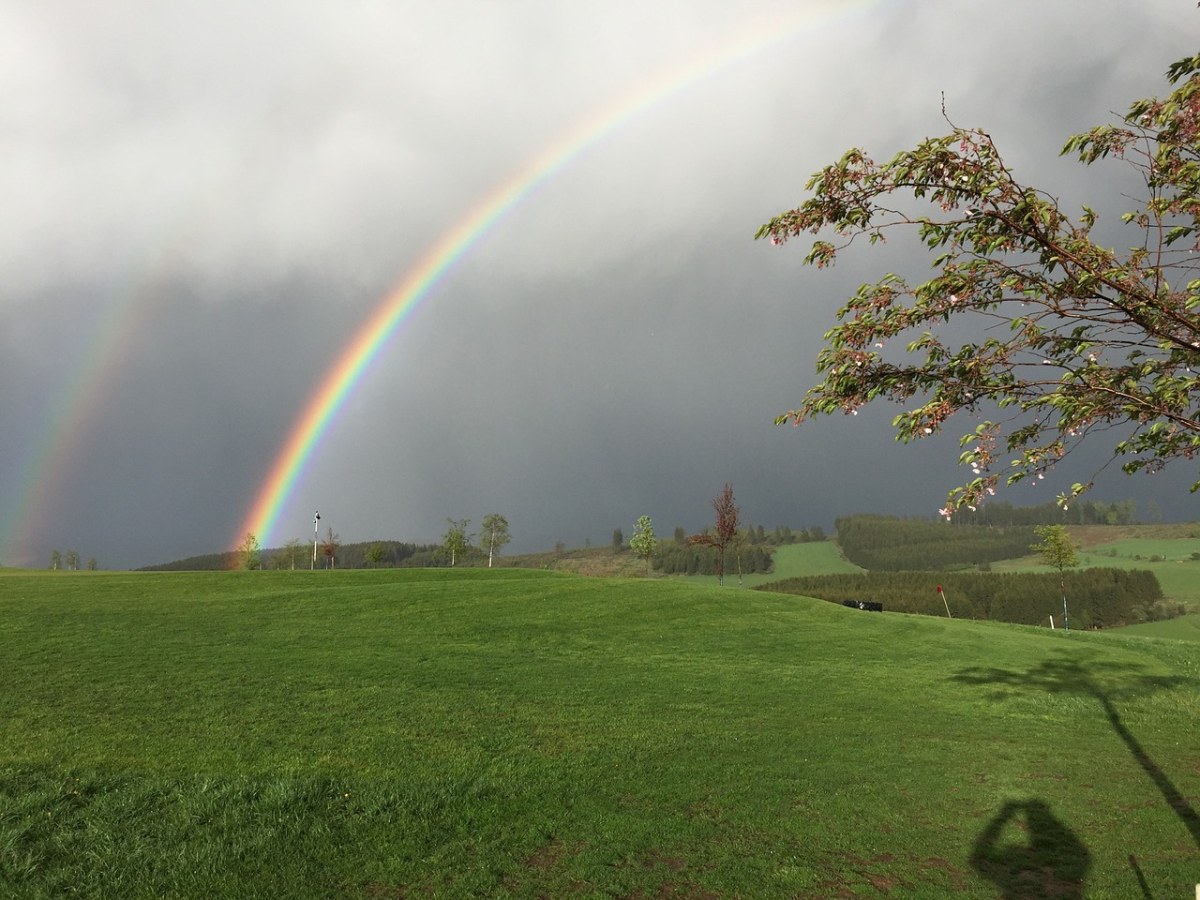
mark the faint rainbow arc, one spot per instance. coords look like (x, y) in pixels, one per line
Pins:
(71, 409)
(72, 406)
(323, 405)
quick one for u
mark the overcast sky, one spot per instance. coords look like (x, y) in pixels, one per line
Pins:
(202, 202)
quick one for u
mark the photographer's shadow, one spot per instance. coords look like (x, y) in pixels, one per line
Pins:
(1027, 852)
(1068, 676)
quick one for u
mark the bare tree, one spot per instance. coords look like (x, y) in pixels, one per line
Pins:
(728, 519)
(329, 548)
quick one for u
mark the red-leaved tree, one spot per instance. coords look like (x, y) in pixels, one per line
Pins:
(728, 520)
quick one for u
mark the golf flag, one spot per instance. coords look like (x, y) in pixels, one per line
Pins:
(945, 601)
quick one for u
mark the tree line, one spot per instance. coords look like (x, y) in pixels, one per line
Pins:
(724, 546)
(1100, 598)
(1081, 512)
(672, 559)
(69, 561)
(361, 555)
(889, 544)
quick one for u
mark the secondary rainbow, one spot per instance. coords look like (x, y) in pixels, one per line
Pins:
(70, 409)
(320, 410)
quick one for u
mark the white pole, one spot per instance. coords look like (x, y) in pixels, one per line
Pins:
(1052, 623)
(943, 593)
(316, 525)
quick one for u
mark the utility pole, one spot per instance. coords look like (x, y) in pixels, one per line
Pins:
(316, 525)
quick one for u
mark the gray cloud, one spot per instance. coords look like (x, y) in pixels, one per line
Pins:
(223, 192)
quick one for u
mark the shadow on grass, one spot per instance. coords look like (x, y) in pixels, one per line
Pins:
(1046, 860)
(1101, 681)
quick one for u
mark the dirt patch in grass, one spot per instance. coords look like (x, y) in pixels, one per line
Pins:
(672, 863)
(550, 855)
(546, 860)
(673, 890)
(854, 872)
(378, 891)
(1034, 881)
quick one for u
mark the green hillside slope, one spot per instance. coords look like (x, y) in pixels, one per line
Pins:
(1170, 559)
(790, 561)
(513, 733)
(1184, 628)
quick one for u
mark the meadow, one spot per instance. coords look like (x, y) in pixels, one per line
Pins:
(1183, 628)
(789, 561)
(1169, 558)
(517, 733)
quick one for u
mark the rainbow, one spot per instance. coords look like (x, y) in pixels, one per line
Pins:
(395, 308)
(69, 412)
(129, 303)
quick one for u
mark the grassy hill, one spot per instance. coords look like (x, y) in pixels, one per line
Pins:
(1183, 628)
(475, 733)
(792, 560)
(1164, 550)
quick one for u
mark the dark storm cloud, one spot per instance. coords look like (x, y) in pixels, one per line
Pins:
(239, 185)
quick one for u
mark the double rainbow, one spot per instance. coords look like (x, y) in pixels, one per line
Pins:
(65, 421)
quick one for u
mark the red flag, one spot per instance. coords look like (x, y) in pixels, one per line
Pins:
(939, 588)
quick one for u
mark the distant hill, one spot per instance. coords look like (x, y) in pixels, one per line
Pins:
(206, 562)
(890, 544)
(349, 556)
(867, 541)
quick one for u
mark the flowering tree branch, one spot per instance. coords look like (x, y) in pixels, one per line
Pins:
(1071, 338)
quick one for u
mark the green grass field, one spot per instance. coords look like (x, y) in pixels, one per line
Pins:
(1183, 628)
(511, 733)
(790, 561)
(1169, 559)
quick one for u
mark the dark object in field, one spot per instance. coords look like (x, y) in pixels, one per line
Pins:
(869, 605)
